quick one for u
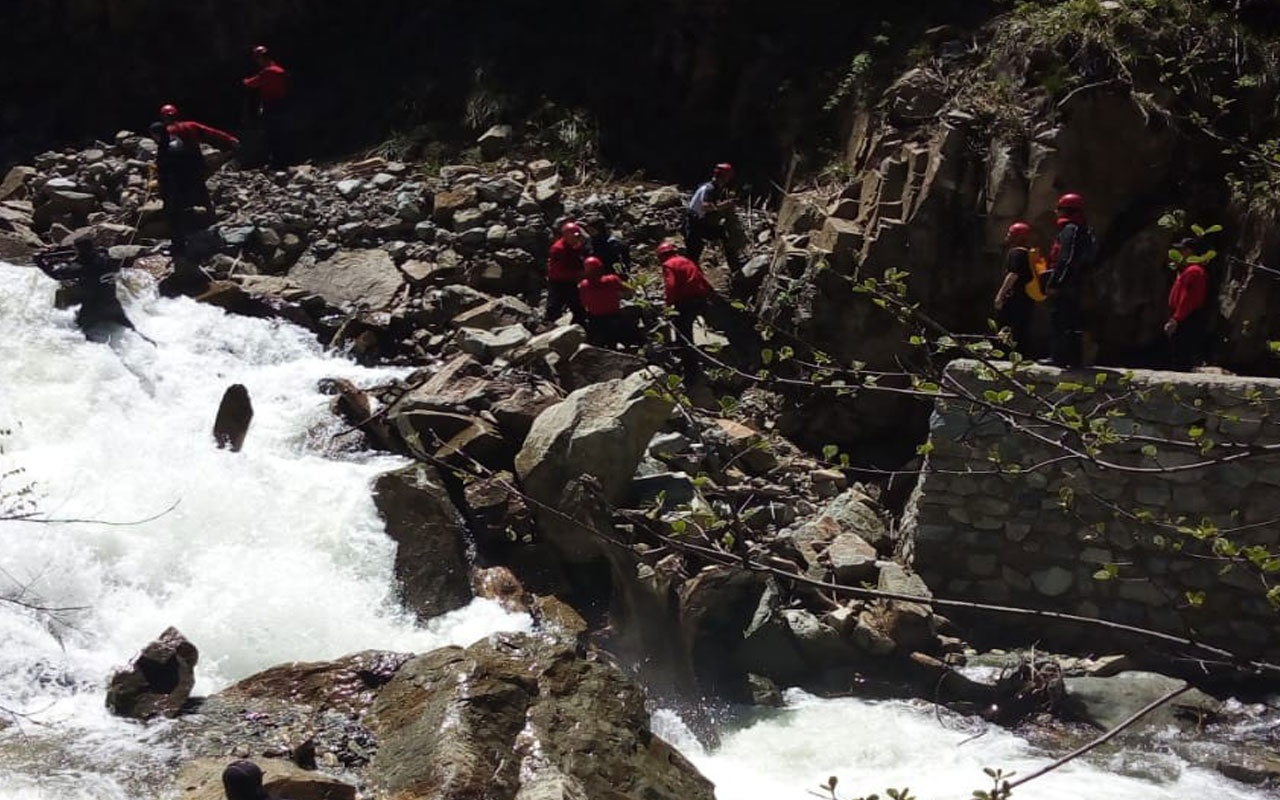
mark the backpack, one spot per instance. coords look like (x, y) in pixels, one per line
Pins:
(1039, 265)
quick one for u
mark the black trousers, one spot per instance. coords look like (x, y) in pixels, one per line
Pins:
(614, 329)
(1189, 343)
(700, 230)
(687, 312)
(1064, 323)
(565, 295)
(1016, 316)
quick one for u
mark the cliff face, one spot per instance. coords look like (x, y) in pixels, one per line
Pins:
(1155, 111)
(673, 85)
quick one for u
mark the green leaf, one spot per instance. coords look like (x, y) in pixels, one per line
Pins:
(924, 449)
(1197, 230)
(1212, 229)
(1195, 598)
(1195, 432)
(785, 352)
(766, 355)
(830, 451)
(1149, 450)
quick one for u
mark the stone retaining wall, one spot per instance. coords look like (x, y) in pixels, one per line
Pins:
(1004, 515)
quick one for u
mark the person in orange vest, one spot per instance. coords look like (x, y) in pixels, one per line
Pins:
(1013, 305)
(1188, 321)
(564, 270)
(601, 293)
(271, 82)
(688, 292)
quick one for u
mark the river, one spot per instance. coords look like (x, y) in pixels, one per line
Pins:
(277, 554)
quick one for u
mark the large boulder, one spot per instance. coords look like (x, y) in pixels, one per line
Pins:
(600, 430)
(431, 540)
(158, 681)
(1106, 702)
(366, 278)
(516, 716)
(347, 685)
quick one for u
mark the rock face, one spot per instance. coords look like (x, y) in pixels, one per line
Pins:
(1106, 702)
(158, 681)
(520, 717)
(432, 563)
(600, 430)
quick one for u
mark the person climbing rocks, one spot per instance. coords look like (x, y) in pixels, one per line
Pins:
(688, 292)
(271, 83)
(242, 780)
(1072, 254)
(604, 245)
(93, 274)
(564, 271)
(195, 132)
(1188, 323)
(1013, 304)
(709, 217)
(601, 293)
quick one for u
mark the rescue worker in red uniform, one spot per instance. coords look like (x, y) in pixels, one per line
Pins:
(271, 83)
(601, 293)
(192, 131)
(1072, 254)
(1188, 323)
(564, 271)
(688, 292)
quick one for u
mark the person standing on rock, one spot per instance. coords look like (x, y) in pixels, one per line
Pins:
(94, 273)
(709, 217)
(196, 132)
(271, 83)
(601, 292)
(242, 780)
(1072, 254)
(564, 271)
(688, 292)
(611, 250)
(1188, 321)
(180, 180)
(1013, 305)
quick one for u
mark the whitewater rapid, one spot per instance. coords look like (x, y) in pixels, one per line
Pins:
(269, 555)
(276, 554)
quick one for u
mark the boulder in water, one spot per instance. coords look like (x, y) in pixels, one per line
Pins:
(235, 412)
(158, 681)
(202, 780)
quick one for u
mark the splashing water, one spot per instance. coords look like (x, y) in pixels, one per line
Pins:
(272, 554)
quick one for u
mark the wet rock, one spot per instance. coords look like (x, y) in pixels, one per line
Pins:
(235, 412)
(159, 680)
(347, 685)
(1106, 702)
(434, 435)
(764, 692)
(501, 585)
(202, 780)
(431, 566)
(553, 614)
(513, 715)
(600, 430)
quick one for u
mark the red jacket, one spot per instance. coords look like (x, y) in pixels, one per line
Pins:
(564, 264)
(190, 131)
(601, 295)
(272, 83)
(684, 281)
(1188, 292)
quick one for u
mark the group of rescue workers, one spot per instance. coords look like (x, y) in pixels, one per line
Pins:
(1060, 280)
(588, 267)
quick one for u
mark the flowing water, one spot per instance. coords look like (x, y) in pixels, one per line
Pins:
(277, 554)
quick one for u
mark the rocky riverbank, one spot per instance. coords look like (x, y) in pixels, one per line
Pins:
(544, 468)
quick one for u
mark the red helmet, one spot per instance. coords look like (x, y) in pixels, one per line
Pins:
(168, 111)
(1018, 230)
(1071, 202)
(260, 50)
(570, 228)
(666, 249)
(592, 265)
(724, 170)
